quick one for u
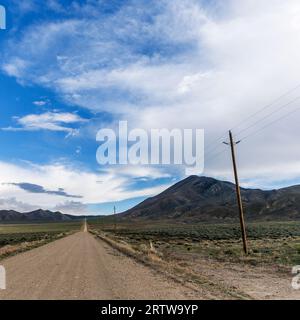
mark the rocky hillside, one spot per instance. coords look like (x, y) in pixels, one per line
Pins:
(206, 199)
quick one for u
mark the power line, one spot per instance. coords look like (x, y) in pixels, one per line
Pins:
(215, 143)
(260, 129)
(215, 147)
(220, 137)
(267, 106)
(270, 124)
(268, 115)
(216, 155)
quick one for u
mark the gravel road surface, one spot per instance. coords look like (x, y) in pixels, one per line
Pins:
(82, 267)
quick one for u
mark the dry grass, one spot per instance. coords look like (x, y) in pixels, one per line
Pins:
(152, 257)
(10, 250)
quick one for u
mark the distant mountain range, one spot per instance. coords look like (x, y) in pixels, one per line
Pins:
(37, 215)
(196, 199)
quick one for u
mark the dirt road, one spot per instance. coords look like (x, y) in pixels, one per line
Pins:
(82, 267)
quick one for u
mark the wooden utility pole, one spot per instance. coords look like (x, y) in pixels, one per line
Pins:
(238, 192)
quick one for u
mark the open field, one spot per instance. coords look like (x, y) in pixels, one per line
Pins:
(210, 254)
(15, 238)
(274, 242)
(200, 231)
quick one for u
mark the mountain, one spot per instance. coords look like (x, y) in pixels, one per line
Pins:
(37, 215)
(206, 199)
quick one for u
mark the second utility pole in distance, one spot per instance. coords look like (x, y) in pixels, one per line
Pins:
(115, 219)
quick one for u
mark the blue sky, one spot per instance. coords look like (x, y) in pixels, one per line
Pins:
(70, 68)
(42, 141)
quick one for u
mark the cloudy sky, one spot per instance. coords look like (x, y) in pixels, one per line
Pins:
(70, 68)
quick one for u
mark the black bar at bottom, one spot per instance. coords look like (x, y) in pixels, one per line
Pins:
(143, 309)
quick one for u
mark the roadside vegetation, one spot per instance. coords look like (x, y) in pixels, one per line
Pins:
(269, 242)
(15, 238)
(210, 256)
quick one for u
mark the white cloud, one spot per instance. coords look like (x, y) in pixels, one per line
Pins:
(130, 171)
(53, 121)
(14, 204)
(40, 103)
(15, 67)
(25, 6)
(72, 207)
(78, 150)
(114, 186)
(190, 66)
